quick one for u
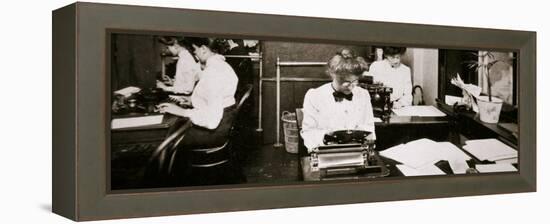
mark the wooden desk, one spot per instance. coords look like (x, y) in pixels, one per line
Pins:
(131, 149)
(143, 134)
(400, 130)
(468, 125)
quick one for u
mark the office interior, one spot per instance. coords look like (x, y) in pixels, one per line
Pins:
(266, 147)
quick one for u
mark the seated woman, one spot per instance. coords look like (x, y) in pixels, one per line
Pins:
(337, 105)
(393, 74)
(212, 101)
(187, 69)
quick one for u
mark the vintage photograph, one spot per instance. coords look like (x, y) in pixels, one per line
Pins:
(201, 111)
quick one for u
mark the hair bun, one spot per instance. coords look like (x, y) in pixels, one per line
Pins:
(347, 53)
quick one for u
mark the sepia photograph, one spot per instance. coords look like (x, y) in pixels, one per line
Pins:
(168, 111)
(196, 111)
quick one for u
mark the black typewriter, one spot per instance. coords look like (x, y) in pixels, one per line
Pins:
(347, 154)
(143, 102)
(379, 97)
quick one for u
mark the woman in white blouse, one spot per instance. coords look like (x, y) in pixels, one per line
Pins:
(187, 69)
(212, 101)
(338, 105)
(392, 73)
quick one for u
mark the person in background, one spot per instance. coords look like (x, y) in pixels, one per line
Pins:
(392, 73)
(242, 66)
(187, 69)
(337, 105)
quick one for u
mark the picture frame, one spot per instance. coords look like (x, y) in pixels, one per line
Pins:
(81, 124)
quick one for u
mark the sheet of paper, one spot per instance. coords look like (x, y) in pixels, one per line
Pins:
(128, 91)
(414, 154)
(421, 171)
(458, 166)
(509, 161)
(419, 111)
(451, 100)
(450, 152)
(422, 152)
(136, 121)
(492, 168)
(377, 119)
(340, 159)
(489, 149)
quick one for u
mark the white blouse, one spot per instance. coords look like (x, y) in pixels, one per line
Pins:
(322, 114)
(187, 73)
(214, 92)
(397, 78)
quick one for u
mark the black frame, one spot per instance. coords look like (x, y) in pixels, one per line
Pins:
(81, 125)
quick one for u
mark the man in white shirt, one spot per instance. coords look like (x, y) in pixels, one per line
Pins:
(187, 70)
(338, 105)
(392, 73)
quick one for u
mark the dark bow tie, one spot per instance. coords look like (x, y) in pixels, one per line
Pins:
(339, 96)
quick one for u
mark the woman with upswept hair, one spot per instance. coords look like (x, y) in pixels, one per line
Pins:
(338, 105)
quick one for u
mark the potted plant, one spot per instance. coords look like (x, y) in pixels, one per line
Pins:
(489, 106)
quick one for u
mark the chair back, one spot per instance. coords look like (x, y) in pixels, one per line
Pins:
(210, 157)
(302, 151)
(299, 117)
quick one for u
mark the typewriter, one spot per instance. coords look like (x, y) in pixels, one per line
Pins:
(379, 96)
(347, 154)
(142, 102)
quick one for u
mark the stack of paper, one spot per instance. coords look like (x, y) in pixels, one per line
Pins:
(136, 121)
(451, 100)
(419, 111)
(418, 157)
(491, 150)
(421, 171)
(492, 168)
(128, 91)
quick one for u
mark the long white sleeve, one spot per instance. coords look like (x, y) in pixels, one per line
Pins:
(210, 113)
(214, 92)
(406, 96)
(311, 132)
(187, 73)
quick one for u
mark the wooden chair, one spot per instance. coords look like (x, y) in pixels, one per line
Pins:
(203, 165)
(302, 150)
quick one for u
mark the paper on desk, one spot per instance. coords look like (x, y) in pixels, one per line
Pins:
(422, 152)
(340, 159)
(459, 166)
(492, 168)
(413, 154)
(429, 169)
(509, 161)
(490, 149)
(377, 119)
(419, 111)
(136, 121)
(128, 91)
(451, 100)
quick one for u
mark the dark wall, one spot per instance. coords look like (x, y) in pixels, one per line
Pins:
(135, 60)
(451, 62)
(292, 93)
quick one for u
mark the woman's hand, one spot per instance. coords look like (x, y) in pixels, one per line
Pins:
(161, 85)
(172, 109)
